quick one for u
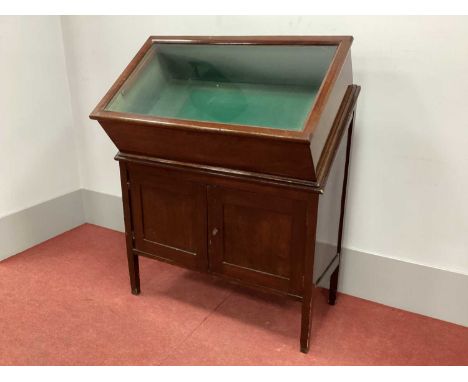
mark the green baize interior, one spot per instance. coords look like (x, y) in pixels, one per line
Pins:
(190, 87)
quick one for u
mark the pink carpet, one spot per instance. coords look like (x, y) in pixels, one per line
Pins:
(67, 302)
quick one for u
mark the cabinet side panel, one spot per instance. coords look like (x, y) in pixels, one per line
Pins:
(325, 123)
(329, 213)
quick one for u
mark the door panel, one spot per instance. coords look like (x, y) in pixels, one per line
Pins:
(169, 218)
(257, 238)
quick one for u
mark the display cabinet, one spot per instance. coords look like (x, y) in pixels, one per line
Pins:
(234, 155)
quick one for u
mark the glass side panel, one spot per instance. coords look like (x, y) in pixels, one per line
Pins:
(270, 86)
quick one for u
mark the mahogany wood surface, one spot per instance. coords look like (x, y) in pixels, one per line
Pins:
(133, 266)
(169, 217)
(248, 153)
(239, 202)
(334, 278)
(256, 237)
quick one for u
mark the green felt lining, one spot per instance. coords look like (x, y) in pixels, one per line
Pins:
(281, 107)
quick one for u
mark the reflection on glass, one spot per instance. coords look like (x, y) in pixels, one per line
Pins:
(258, 85)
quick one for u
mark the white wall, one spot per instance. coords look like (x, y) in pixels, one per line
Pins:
(408, 184)
(38, 159)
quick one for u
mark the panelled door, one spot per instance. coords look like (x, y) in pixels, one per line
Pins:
(169, 217)
(256, 237)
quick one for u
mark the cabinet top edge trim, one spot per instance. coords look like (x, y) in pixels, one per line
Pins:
(220, 171)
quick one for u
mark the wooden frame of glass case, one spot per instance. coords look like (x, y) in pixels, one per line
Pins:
(240, 201)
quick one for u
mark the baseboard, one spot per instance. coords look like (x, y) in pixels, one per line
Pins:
(412, 287)
(24, 229)
(103, 210)
(429, 291)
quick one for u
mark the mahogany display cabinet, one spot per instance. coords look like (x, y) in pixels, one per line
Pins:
(234, 155)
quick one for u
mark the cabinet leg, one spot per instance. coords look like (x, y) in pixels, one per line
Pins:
(333, 286)
(306, 320)
(134, 271)
(334, 277)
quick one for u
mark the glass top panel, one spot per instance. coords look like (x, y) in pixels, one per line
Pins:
(272, 86)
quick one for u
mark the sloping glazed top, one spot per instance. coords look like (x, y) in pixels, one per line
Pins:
(270, 86)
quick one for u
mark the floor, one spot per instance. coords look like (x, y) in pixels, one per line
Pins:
(67, 302)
